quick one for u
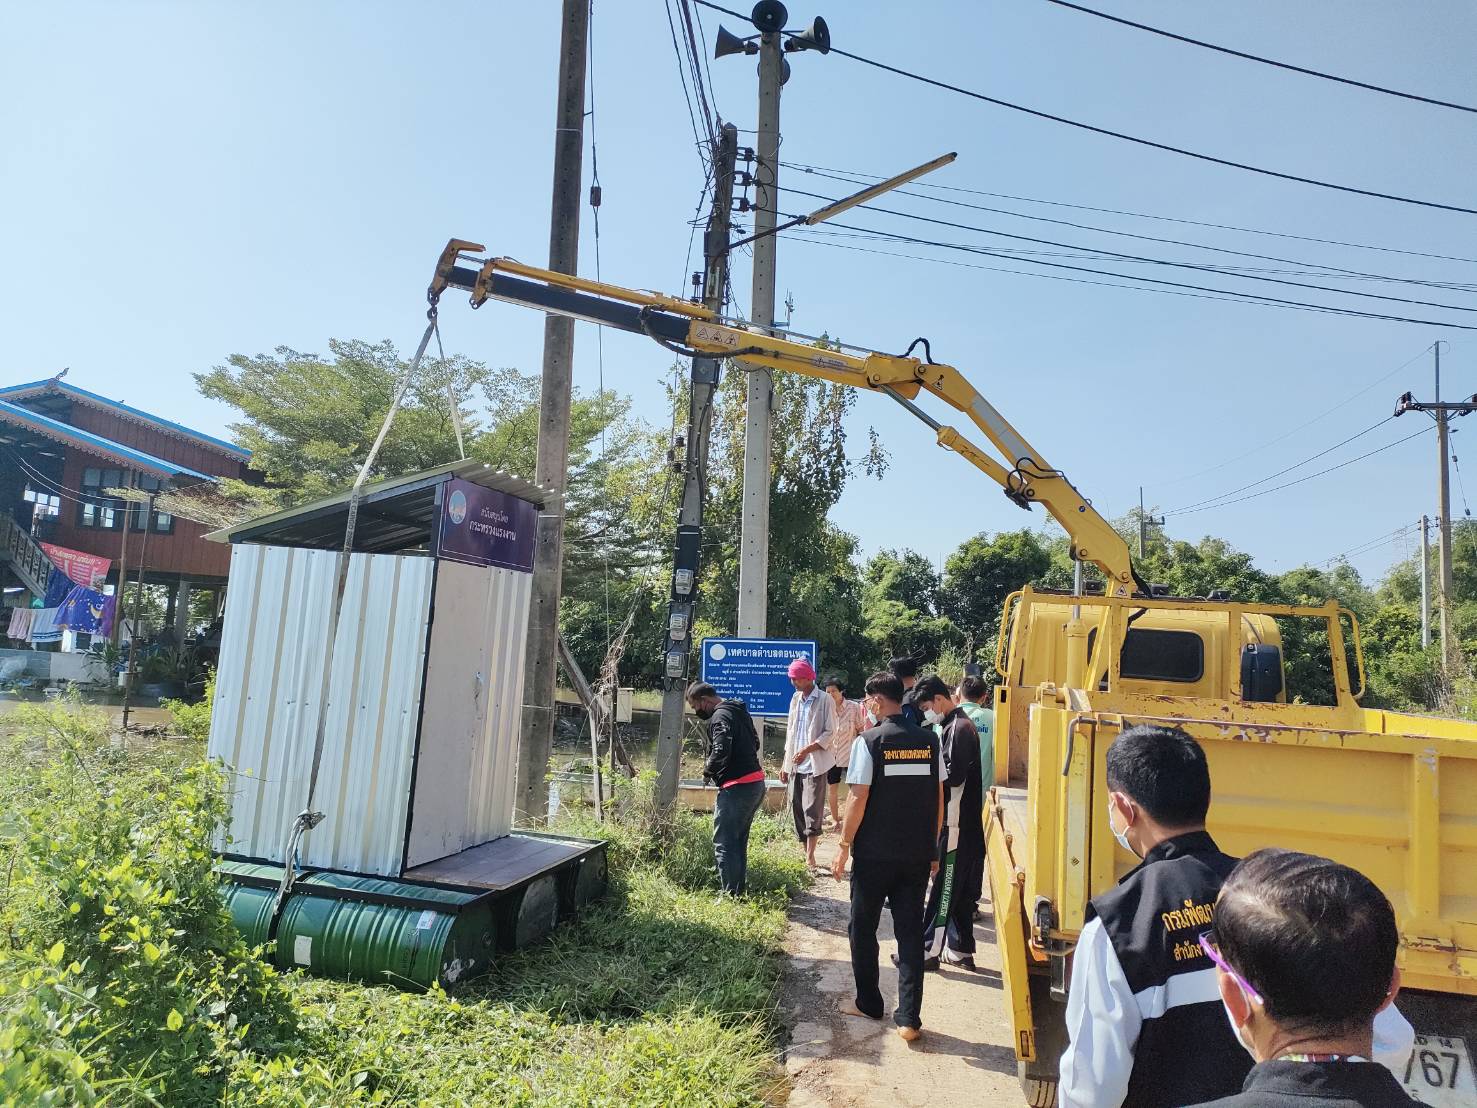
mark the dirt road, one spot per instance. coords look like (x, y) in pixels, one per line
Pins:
(964, 1056)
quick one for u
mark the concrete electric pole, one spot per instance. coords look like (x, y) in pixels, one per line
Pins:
(1425, 581)
(1145, 522)
(769, 18)
(686, 555)
(536, 737)
(1442, 413)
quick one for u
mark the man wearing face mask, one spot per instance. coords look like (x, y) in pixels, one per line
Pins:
(1144, 1010)
(732, 763)
(1304, 950)
(948, 934)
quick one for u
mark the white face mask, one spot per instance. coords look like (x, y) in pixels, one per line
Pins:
(931, 717)
(1236, 1030)
(1121, 836)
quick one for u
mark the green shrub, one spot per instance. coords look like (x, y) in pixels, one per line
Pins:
(114, 912)
(193, 720)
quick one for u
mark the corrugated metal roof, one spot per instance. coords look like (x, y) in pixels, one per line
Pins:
(264, 718)
(86, 440)
(51, 384)
(397, 513)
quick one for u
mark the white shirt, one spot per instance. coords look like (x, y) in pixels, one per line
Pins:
(811, 720)
(1104, 1016)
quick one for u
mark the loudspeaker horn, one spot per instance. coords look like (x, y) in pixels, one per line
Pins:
(769, 16)
(815, 37)
(729, 43)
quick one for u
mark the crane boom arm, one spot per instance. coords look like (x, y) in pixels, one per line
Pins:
(690, 329)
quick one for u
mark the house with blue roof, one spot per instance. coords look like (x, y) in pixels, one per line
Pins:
(61, 448)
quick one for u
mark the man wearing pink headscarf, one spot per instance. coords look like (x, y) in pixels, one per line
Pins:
(808, 756)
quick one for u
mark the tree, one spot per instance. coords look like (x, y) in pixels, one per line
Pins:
(983, 571)
(814, 588)
(310, 421)
(905, 576)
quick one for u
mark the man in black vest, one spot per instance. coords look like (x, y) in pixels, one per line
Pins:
(1144, 1010)
(893, 816)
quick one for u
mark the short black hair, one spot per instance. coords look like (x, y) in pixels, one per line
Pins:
(886, 685)
(698, 690)
(973, 688)
(903, 667)
(1315, 938)
(930, 687)
(836, 681)
(1163, 770)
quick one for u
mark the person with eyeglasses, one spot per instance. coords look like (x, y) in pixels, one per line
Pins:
(1144, 1012)
(1304, 950)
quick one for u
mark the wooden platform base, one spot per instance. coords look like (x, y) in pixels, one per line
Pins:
(502, 863)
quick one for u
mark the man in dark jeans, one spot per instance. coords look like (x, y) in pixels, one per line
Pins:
(731, 763)
(893, 816)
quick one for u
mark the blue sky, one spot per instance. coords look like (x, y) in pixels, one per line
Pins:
(186, 181)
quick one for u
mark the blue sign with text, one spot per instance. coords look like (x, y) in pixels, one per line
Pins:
(755, 671)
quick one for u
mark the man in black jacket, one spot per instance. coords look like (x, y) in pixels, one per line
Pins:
(1304, 950)
(732, 763)
(948, 930)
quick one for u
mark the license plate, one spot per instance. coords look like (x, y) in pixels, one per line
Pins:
(1440, 1074)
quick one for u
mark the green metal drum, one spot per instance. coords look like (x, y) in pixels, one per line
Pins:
(393, 932)
(250, 889)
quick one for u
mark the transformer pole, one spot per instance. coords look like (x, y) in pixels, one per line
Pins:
(753, 597)
(1443, 523)
(551, 470)
(685, 563)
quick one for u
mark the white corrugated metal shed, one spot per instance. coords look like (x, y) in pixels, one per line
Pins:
(265, 714)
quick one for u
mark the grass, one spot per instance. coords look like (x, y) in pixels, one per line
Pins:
(661, 994)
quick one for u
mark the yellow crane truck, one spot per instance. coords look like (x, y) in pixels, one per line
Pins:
(1394, 795)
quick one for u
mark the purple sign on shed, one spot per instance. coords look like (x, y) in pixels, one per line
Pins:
(484, 527)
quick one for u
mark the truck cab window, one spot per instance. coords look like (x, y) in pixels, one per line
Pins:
(1150, 654)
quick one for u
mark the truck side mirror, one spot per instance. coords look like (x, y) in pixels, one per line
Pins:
(1261, 673)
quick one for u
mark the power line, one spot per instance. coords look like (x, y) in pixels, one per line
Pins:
(1300, 427)
(816, 241)
(1373, 544)
(1311, 476)
(1113, 254)
(1264, 61)
(1036, 112)
(1160, 218)
(1273, 300)
(1211, 500)
(851, 180)
(682, 75)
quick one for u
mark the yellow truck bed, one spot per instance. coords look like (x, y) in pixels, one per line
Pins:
(1393, 795)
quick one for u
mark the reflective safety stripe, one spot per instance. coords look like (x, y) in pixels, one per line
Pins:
(906, 769)
(1197, 987)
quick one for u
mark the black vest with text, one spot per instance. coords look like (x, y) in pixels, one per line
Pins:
(900, 823)
(1154, 918)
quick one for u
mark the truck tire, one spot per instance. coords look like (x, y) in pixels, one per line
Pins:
(1039, 1094)
(1039, 1078)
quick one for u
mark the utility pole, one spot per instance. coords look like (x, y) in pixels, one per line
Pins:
(1425, 581)
(753, 597)
(685, 562)
(138, 600)
(1442, 412)
(536, 738)
(1145, 522)
(1443, 523)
